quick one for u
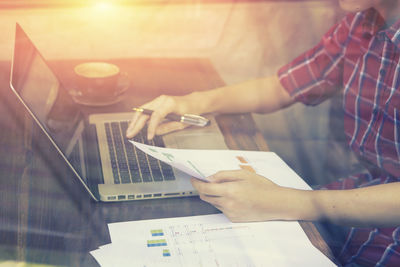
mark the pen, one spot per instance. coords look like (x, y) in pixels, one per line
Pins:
(186, 118)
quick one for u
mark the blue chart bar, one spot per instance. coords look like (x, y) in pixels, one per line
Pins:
(157, 232)
(156, 243)
(166, 253)
(159, 242)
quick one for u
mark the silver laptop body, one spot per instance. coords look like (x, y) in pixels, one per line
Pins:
(84, 145)
(208, 137)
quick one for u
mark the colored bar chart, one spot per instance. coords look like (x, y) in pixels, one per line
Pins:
(158, 232)
(156, 243)
(166, 253)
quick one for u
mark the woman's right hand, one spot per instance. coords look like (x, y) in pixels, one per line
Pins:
(162, 106)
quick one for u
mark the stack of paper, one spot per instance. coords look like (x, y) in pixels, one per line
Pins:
(212, 240)
(208, 240)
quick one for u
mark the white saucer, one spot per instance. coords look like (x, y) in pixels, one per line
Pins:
(122, 83)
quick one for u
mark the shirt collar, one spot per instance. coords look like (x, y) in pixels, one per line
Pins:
(373, 23)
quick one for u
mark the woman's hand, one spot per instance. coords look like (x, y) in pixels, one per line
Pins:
(162, 106)
(261, 95)
(245, 196)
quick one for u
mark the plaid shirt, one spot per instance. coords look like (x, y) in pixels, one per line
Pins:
(360, 56)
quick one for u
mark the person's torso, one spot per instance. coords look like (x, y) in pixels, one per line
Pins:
(371, 78)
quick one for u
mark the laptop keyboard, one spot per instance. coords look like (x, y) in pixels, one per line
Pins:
(131, 165)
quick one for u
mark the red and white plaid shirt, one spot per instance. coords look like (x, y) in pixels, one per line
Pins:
(360, 56)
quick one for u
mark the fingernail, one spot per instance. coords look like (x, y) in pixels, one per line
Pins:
(128, 133)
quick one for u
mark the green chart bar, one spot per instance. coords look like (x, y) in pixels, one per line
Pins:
(158, 232)
(166, 253)
(156, 243)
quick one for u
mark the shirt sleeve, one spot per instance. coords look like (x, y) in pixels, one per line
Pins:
(317, 74)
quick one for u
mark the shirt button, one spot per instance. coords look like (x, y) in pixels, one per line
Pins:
(382, 72)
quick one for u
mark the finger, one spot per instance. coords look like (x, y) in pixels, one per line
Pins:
(132, 124)
(168, 127)
(210, 189)
(164, 105)
(154, 120)
(137, 121)
(135, 128)
(219, 207)
(227, 176)
(215, 201)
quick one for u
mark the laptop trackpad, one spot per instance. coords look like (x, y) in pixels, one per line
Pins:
(209, 137)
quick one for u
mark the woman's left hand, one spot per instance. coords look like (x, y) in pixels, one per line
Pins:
(245, 196)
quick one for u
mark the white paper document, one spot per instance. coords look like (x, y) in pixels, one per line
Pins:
(212, 240)
(203, 163)
(208, 241)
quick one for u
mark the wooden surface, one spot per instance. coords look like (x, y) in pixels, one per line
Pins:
(46, 217)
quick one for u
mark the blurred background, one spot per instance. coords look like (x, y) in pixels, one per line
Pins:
(243, 40)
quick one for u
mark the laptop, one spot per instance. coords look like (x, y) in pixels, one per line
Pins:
(94, 147)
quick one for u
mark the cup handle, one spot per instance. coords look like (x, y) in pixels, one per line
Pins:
(123, 83)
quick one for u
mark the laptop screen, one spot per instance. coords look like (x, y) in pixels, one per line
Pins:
(48, 101)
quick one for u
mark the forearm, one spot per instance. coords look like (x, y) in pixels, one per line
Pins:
(370, 206)
(374, 206)
(261, 95)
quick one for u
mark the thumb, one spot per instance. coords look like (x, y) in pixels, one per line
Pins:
(226, 176)
(168, 127)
